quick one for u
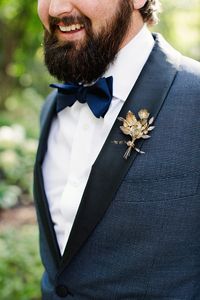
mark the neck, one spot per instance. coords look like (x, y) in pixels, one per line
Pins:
(136, 25)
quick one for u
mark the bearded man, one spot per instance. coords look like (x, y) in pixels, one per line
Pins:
(117, 170)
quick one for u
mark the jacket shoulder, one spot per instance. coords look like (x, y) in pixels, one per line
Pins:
(187, 80)
(190, 68)
(186, 85)
(47, 106)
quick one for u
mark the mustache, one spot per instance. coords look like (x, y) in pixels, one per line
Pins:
(67, 21)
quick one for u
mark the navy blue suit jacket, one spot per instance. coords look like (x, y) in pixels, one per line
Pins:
(137, 231)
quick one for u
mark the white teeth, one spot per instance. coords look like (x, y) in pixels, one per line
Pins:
(70, 27)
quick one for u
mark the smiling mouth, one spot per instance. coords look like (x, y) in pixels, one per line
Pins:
(70, 28)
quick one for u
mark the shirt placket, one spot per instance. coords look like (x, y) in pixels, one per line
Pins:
(79, 168)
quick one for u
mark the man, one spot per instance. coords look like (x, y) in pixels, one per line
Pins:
(117, 172)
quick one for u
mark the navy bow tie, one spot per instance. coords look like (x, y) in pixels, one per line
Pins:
(98, 96)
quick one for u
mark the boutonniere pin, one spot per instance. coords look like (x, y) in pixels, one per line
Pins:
(136, 129)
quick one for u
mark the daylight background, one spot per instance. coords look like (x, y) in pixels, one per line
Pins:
(23, 86)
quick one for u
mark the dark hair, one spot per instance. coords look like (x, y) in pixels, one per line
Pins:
(150, 11)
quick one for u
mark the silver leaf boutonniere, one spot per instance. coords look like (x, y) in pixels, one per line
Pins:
(136, 129)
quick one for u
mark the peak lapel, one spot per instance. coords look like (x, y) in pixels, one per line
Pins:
(110, 167)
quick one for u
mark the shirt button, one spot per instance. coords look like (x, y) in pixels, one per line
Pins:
(61, 291)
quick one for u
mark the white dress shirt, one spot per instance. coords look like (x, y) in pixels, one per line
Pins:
(77, 136)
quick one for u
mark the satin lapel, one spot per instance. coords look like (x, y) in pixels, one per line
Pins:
(110, 167)
(39, 193)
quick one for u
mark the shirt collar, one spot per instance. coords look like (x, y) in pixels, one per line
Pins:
(129, 63)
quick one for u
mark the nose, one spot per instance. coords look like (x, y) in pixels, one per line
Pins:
(59, 8)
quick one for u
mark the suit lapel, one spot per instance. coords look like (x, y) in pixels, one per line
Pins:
(44, 216)
(110, 167)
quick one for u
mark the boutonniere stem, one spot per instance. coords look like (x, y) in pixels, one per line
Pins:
(136, 129)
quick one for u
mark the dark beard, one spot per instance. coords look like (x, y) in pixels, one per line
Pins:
(86, 61)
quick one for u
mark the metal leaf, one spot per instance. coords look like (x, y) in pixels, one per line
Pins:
(151, 128)
(125, 130)
(139, 151)
(151, 120)
(130, 118)
(121, 119)
(119, 142)
(125, 123)
(146, 136)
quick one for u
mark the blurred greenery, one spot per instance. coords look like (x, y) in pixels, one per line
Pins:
(17, 154)
(180, 25)
(20, 267)
(24, 84)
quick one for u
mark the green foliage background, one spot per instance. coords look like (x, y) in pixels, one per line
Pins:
(20, 267)
(24, 84)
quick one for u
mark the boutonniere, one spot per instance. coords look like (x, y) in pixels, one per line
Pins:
(136, 129)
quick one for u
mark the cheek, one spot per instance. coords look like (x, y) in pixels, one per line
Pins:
(43, 12)
(101, 12)
(98, 17)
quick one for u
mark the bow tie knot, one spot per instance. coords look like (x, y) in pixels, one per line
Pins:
(98, 96)
(82, 93)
